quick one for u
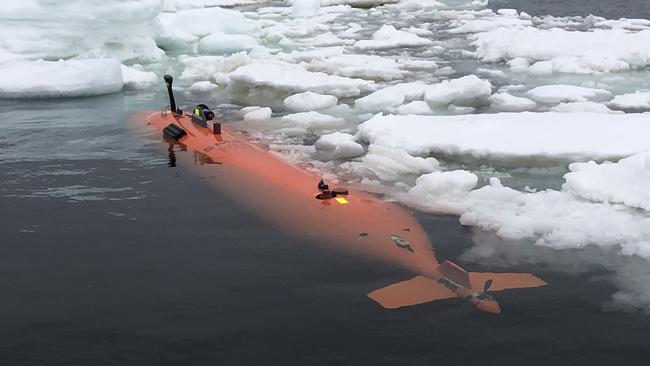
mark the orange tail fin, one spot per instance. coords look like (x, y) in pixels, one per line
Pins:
(417, 290)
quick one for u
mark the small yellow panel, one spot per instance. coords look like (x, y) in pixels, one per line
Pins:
(341, 200)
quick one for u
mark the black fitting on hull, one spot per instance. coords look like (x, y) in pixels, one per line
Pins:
(174, 132)
(169, 80)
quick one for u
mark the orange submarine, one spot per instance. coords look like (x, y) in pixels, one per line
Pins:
(350, 220)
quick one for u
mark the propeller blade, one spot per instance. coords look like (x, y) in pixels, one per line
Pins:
(487, 285)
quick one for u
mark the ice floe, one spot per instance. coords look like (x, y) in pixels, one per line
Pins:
(309, 101)
(294, 78)
(391, 96)
(416, 107)
(391, 164)
(202, 87)
(222, 43)
(567, 93)
(504, 102)
(625, 182)
(73, 78)
(560, 50)
(593, 221)
(49, 30)
(305, 8)
(582, 107)
(208, 30)
(176, 5)
(206, 67)
(342, 145)
(135, 78)
(388, 37)
(509, 135)
(633, 101)
(465, 91)
(313, 120)
(360, 66)
(258, 114)
(358, 3)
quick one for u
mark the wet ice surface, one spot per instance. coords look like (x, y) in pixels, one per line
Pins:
(311, 87)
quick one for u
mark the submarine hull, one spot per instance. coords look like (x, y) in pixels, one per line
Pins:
(355, 222)
(286, 196)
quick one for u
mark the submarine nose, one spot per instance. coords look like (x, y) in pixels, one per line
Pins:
(489, 306)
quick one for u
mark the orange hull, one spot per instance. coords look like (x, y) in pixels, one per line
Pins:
(285, 195)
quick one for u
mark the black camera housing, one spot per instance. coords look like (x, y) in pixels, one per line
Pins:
(201, 114)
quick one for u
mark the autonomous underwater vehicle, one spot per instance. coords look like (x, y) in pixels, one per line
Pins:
(301, 203)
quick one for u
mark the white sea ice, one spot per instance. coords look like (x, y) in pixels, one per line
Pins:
(309, 101)
(205, 21)
(415, 5)
(599, 50)
(176, 5)
(327, 39)
(417, 64)
(582, 107)
(388, 37)
(567, 93)
(392, 96)
(222, 43)
(380, 100)
(519, 64)
(632, 101)
(220, 29)
(51, 79)
(625, 182)
(360, 66)
(415, 107)
(206, 67)
(314, 120)
(305, 8)
(202, 87)
(508, 135)
(559, 220)
(449, 182)
(294, 78)
(465, 91)
(595, 218)
(310, 55)
(343, 145)
(445, 192)
(8, 56)
(392, 164)
(484, 25)
(357, 3)
(54, 30)
(242, 112)
(504, 102)
(134, 78)
(560, 229)
(258, 114)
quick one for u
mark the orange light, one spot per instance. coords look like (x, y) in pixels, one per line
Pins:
(341, 200)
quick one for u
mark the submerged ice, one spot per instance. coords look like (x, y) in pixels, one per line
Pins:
(523, 126)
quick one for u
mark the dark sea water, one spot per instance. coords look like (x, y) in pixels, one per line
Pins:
(631, 9)
(109, 256)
